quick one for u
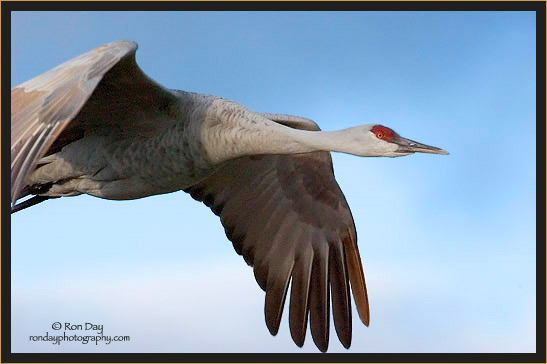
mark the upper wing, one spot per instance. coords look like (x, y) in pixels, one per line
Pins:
(102, 86)
(289, 219)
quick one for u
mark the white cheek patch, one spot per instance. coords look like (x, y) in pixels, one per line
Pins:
(392, 147)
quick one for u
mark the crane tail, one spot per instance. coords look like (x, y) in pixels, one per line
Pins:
(357, 277)
(30, 202)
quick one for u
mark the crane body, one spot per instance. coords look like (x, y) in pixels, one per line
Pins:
(98, 125)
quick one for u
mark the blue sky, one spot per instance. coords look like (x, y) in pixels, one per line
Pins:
(448, 242)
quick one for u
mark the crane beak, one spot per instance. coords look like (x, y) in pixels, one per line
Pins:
(410, 146)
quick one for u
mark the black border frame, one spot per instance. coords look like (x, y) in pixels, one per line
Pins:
(538, 6)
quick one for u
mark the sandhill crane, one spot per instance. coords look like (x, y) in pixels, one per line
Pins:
(98, 125)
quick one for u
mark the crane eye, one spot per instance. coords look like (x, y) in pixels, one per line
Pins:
(379, 135)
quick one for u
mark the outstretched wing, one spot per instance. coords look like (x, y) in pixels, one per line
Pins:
(102, 86)
(289, 219)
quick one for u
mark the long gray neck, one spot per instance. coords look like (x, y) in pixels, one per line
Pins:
(241, 132)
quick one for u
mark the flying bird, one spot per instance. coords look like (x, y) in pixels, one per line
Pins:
(98, 125)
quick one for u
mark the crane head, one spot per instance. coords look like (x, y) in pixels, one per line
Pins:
(390, 144)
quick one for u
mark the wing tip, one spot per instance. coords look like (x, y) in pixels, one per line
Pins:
(357, 277)
(365, 319)
(346, 345)
(128, 44)
(299, 341)
(322, 346)
(273, 327)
